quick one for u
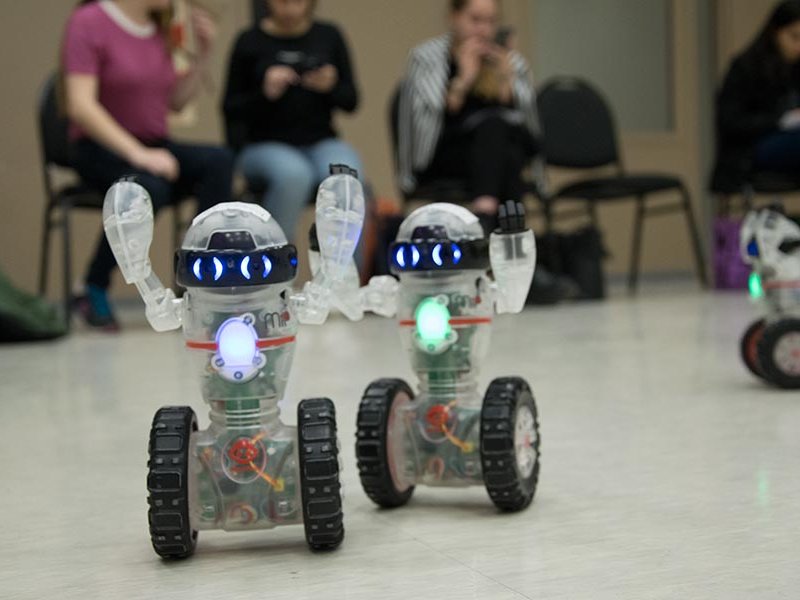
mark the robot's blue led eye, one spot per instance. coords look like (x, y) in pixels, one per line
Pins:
(752, 249)
(293, 260)
(414, 256)
(267, 266)
(245, 267)
(456, 254)
(219, 269)
(196, 269)
(400, 257)
(437, 255)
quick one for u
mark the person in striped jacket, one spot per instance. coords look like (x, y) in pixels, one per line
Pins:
(467, 110)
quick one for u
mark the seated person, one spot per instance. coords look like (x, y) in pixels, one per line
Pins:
(758, 106)
(467, 110)
(287, 76)
(120, 85)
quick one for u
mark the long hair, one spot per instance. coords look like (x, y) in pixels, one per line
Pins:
(762, 57)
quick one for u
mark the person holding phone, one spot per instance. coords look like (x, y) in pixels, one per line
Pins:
(758, 105)
(467, 109)
(119, 87)
(287, 77)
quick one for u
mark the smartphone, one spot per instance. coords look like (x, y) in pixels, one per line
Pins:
(503, 35)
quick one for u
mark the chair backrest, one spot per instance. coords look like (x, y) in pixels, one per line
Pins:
(577, 125)
(53, 126)
(394, 122)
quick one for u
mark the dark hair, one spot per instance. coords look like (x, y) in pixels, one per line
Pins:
(763, 57)
(459, 5)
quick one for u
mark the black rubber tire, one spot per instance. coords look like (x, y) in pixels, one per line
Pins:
(748, 348)
(371, 447)
(321, 491)
(507, 488)
(168, 482)
(766, 353)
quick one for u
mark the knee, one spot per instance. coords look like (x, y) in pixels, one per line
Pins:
(294, 175)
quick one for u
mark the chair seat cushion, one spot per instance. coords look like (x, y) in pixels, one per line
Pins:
(610, 188)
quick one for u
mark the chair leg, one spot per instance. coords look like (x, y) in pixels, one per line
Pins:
(636, 250)
(67, 257)
(44, 259)
(694, 234)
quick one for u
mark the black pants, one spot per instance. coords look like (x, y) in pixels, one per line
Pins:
(206, 172)
(490, 158)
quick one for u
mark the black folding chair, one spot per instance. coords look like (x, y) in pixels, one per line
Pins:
(579, 133)
(62, 200)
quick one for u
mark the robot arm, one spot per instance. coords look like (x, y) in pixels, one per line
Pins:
(339, 221)
(128, 222)
(512, 250)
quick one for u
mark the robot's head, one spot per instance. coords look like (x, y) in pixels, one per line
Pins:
(234, 245)
(770, 242)
(439, 238)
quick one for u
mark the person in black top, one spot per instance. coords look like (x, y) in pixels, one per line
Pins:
(758, 106)
(286, 77)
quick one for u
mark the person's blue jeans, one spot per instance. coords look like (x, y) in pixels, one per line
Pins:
(292, 174)
(779, 152)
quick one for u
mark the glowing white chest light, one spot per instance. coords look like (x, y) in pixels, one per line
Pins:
(238, 358)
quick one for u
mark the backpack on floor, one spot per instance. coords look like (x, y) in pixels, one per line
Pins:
(24, 317)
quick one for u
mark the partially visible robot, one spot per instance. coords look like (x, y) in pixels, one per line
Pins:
(239, 314)
(770, 243)
(446, 434)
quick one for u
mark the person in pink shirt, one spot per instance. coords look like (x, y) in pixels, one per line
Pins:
(120, 85)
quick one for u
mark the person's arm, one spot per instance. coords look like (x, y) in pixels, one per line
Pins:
(345, 93)
(735, 118)
(85, 110)
(468, 57)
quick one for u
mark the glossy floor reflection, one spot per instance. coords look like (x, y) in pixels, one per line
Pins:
(668, 472)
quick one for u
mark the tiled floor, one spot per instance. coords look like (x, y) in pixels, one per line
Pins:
(668, 472)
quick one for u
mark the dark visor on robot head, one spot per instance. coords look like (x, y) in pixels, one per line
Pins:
(439, 255)
(235, 268)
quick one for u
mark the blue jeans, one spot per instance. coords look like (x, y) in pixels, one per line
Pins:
(779, 152)
(292, 174)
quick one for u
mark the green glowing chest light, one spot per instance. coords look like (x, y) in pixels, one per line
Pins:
(755, 286)
(433, 321)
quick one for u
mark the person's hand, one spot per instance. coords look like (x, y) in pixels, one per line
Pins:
(321, 80)
(469, 57)
(278, 79)
(501, 59)
(790, 119)
(158, 162)
(205, 31)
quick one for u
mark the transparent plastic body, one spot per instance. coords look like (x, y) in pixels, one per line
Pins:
(775, 283)
(445, 322)
(244, 468)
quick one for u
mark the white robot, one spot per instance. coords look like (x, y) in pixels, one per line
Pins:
(240, 316)
(770, 243)
(447, 434)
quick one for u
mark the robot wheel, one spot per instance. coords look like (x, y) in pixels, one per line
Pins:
(510, 443)
(168, 482)
(779, 353)
(749, 348)
(376, 468)
(319, 473)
